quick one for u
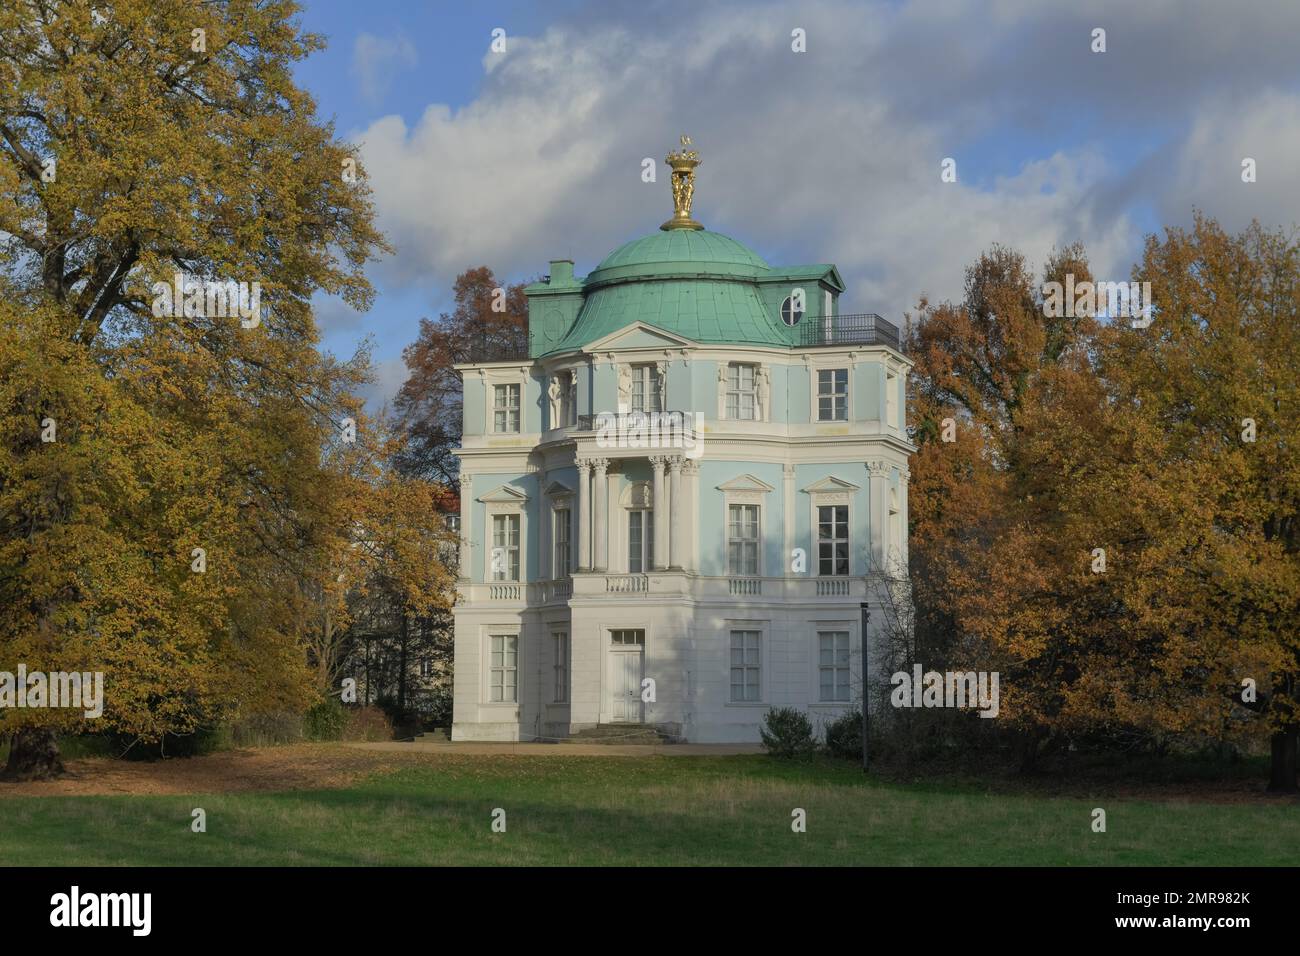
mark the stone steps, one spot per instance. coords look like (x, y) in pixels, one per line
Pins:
(619, 735)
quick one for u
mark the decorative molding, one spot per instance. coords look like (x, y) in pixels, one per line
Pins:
(832, 484)
(743, 483)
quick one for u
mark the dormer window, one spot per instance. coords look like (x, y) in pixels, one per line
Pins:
(792, 309)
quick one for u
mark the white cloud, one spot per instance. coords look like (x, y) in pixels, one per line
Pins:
(828, 156)
(376, 61)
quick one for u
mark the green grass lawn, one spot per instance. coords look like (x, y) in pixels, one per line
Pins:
(639, 811)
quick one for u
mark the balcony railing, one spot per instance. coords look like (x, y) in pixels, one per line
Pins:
(668, 423)
(864, 329)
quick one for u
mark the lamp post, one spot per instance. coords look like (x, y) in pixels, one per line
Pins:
(866, 622)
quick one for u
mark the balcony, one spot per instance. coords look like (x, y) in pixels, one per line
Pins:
(839, 330)
(666, 586)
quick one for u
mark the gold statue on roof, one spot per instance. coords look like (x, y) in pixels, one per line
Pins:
(683, 163)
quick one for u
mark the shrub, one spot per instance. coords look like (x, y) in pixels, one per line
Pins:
(844, 736)
(787, 732)
(325, 721)
(367, 723)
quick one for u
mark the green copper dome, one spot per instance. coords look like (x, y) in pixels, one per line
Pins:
(680, 251)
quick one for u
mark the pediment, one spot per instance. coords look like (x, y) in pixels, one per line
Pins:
(831, 484)
(746, 483)
(503, 494)
(638, 335)
(557, 490)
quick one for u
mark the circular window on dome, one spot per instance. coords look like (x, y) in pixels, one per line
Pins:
(792, 310)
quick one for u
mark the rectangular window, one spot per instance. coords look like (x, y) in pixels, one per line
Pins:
(891, 400)
(505, 408)
(563, 551)
(833, 395)
(646, 389)
(426, 667)
(640, 540)
(742, 539)
(741, 393)
(503, 669)
(627, 638)
(561, 648)
(746, 667)
(833, 665)
(505, 547)
(832, 540)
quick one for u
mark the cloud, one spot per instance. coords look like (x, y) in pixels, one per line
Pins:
(834, 155)
(376, 61)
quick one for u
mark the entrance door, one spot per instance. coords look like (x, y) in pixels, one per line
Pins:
(625, 686)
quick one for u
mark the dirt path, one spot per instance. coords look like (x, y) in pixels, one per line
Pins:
(294, 767)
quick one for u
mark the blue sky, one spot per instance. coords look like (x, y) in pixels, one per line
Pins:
(830, 155)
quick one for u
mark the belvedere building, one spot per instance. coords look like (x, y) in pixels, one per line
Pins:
(675, 509)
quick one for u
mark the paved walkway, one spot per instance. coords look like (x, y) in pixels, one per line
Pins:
(564, 750)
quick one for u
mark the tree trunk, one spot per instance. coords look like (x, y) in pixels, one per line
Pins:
(1282, 769)
(33, 755)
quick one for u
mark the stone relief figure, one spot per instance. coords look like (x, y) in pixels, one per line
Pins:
(553, 391)
(662, 369)
(764, 392)
(573, 394)
(625, 386)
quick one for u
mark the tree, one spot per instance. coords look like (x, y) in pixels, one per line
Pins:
(1104, 532)
(489, 324)
(161, 537)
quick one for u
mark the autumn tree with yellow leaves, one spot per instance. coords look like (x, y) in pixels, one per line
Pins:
(173, 502)
(1113, 525)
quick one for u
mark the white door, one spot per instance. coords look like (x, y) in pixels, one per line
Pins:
(625, 686)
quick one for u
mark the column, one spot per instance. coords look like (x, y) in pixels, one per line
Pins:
(690, 553)
(878, 508)
(660, 505)
(676, 549)
(787, 521)
(584, 522)
(601, 491)
(466, 526)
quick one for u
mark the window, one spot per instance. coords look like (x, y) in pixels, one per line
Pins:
(891, 400)
(745, 666)
(503, 672)
(833, 665)
(833, 395)
(832, 540)
(791, 315)
(505, 547)
(563, 564)
(560, 640)
(741, 394)
(627, 638)
(640, 540)
(646, 388)
(426, 667)
(742, 539)
(453, 524)
(505, 408)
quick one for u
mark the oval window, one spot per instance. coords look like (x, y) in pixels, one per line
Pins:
(789, 314)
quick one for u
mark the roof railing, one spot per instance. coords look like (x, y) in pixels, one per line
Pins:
(865, 328)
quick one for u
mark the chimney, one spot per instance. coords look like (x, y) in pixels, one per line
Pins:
(561, 271)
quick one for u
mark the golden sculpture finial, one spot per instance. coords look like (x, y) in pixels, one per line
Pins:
(683, 165)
